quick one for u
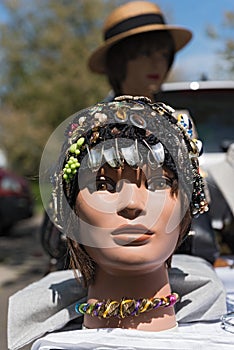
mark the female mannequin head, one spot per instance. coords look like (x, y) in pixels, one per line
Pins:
(138, 48)
(130, 185)
(125, 189)
(143, 64)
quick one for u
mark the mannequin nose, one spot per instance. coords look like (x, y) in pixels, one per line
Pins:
(132, 201)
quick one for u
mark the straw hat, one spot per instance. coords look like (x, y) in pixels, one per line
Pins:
(133, 18)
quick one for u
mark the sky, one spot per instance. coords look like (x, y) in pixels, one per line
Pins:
(200, 55)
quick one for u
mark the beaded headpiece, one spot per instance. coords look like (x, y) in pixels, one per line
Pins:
(132, 130)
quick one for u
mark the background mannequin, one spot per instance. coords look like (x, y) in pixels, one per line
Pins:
(136, 55)
(138, 49)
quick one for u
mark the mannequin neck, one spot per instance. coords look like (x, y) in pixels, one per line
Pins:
(115, 287)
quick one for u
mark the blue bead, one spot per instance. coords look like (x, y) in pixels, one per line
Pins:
(77, 309)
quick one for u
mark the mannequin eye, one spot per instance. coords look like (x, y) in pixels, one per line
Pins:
(144, 52)
(157, 183)
(101, 183)
(105, 184)
(164, 53)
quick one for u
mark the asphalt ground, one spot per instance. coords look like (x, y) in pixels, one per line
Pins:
(22, 261)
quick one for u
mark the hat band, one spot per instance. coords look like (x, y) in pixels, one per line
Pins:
(132, 23)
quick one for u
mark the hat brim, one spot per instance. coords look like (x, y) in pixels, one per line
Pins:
(97, 59)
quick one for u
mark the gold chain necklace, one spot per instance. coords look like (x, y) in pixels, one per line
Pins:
(125, 307)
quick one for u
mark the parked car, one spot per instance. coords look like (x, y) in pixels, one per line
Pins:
(3, 159)
(210, 104)
(16, 201)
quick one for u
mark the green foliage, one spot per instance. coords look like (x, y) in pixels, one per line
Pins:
(226, 41)
(228, 52)
(45, 45)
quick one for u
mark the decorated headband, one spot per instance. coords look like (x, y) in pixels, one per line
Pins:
(136, 131)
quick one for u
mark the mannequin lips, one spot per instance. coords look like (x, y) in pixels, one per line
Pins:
(153, 76)
(132, 235)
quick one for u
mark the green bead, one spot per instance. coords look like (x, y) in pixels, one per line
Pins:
(77, 151)
(73, 148)
(80, 141)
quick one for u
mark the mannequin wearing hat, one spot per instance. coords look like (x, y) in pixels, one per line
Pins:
(138, 49)
(136, 55)
(120, 242)
(124, 194)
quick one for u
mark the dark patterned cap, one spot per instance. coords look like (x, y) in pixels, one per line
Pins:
(128, 130)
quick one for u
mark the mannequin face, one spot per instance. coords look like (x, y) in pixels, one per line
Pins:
(128, 218)
(138, 64)
(146, 73)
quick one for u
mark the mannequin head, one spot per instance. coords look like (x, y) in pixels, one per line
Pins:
(128, 170)
(138, 48)
(143, 64)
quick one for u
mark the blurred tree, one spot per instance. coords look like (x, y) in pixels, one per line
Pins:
(227, 42)
(44, 76)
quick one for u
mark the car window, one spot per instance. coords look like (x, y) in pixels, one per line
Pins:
(212, 111)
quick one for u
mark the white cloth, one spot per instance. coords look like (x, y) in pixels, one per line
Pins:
(49, 304)
(197, 336)
(226, 275)
(190, 336)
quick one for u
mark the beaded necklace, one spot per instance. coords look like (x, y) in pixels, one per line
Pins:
(125, 307)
